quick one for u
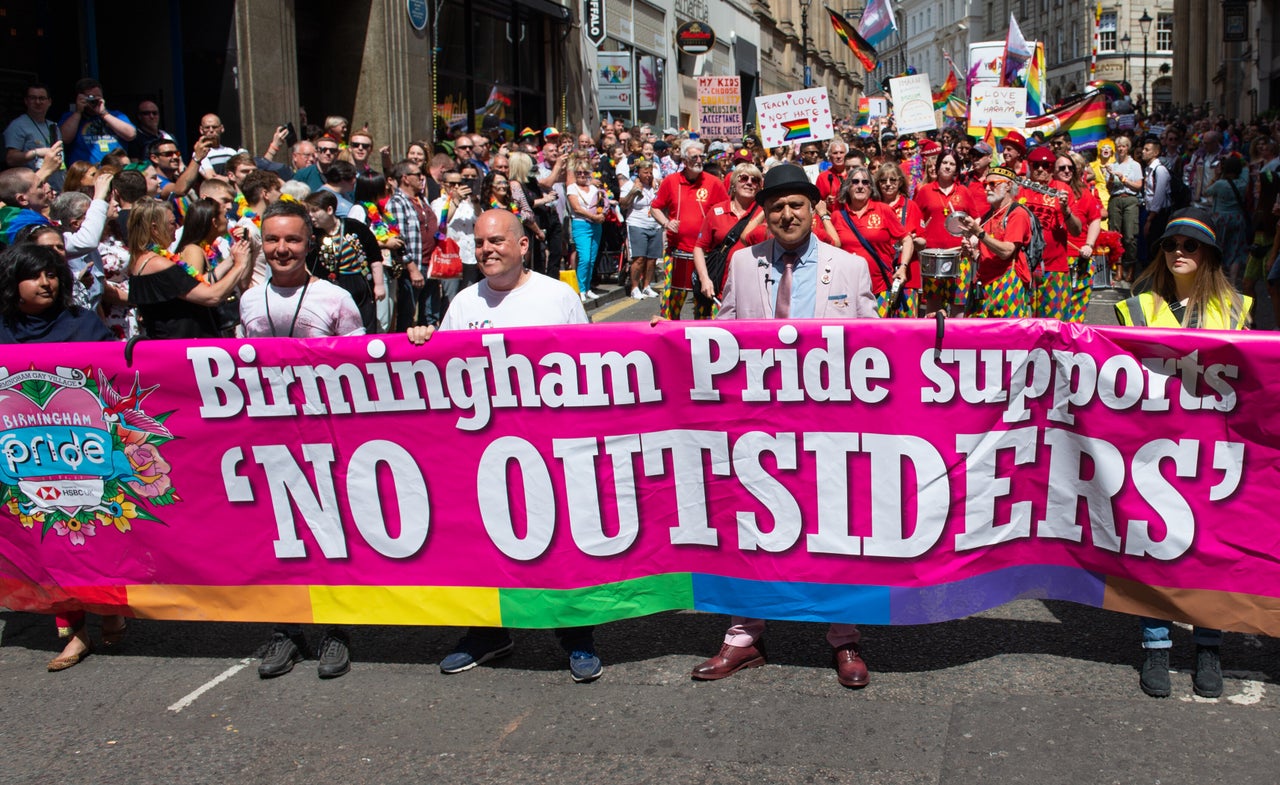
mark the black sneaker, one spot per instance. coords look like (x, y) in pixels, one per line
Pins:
(335, 655)
(281, 654)
(1155, 674)
(1207, 680)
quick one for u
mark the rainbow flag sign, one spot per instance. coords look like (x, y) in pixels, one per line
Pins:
(797, 116)
(797, 129)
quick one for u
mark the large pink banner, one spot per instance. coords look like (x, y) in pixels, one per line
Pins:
(852, 471)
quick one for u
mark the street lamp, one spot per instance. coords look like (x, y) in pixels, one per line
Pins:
(1144, 22)
(804, 41)
(1125, 40)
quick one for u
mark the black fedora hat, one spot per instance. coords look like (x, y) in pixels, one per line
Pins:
(787, 179)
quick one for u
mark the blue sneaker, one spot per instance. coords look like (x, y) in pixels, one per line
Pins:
(584, 666)
(475, 650)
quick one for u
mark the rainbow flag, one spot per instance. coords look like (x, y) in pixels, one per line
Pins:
(864, 111)
(865, 52)
(797, 129)
(941, 98)
(1085, 119)
(1035, 77)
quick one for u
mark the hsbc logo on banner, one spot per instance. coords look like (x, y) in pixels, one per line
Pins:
(593, 20)
(48, 493)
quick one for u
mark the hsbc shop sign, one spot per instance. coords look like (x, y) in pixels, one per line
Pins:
(593, 20)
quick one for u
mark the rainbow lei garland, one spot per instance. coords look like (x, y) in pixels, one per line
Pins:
(382, 224)
(173, 257)
(243, 211)
(510, 207)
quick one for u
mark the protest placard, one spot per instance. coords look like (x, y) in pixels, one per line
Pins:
(913, 103)
(720, 107)
(794, 117)
(1002, 107)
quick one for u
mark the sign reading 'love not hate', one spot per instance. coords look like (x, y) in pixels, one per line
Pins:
(796, 116)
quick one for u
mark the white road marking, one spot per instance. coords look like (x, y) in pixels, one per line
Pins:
(191, 697)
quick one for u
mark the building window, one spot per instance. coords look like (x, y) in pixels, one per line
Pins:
(928, 19)
(1075, 41)
(1164, 33)
(1107, 32)
(1061, 42)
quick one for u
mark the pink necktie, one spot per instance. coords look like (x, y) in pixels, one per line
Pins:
(782, 309)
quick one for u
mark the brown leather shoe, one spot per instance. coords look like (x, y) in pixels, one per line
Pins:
(851, 671)
(729, 661)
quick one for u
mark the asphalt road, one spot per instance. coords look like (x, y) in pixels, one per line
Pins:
(1032, 692)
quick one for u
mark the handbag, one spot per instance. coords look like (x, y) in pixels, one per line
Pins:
(446, 260)
(717, 259)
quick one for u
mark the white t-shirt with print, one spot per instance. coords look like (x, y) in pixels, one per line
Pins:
(536, 302)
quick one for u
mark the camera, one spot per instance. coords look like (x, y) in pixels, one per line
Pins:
(93, 100)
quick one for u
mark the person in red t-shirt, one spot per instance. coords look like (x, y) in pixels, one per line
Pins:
(877, 231)
(976, 175)
(747, 180)
(681, 207)
(999, 244)
(1052, 292)
(830, 180)
(892, 187)
(1087, 207)
(937, 201)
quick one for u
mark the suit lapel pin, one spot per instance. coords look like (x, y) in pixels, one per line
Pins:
(826, 275)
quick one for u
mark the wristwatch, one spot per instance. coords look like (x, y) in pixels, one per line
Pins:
(982, 235)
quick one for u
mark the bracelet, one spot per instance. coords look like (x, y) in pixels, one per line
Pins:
(826, 217)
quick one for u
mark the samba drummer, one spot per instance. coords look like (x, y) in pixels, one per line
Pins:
(999, 242)
(1086, 206)
(937, 201)
(681, 208)
(1050, 199)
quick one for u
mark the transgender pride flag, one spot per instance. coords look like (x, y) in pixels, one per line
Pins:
(877, 22)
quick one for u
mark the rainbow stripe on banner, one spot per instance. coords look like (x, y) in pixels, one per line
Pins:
(797, 129)
(541, 608)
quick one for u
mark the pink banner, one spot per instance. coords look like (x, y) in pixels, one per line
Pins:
(850, 471)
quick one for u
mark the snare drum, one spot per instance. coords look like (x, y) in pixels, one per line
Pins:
(940, 262)
(1101, 272)
(682, 270)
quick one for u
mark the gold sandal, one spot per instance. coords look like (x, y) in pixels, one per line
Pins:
(64, 661)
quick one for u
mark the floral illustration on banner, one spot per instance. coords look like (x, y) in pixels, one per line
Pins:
(79, 457)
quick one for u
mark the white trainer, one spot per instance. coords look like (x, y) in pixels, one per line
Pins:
(649, 292)
(590, 295)
(636, 294)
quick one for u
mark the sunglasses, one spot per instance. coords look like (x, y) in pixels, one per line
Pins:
(993, 185)
(746, 178)
(329, 150)
(362, 145)
(453, 182)
(1064, 168)
(858, 181)
(1040, 164)
(1188, 244)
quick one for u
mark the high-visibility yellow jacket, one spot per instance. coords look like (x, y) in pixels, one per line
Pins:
(1140, 311)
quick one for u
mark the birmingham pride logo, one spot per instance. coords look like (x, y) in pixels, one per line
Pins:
(76, 454)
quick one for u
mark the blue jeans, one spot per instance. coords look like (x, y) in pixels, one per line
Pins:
(586, 237)
(1155, 635)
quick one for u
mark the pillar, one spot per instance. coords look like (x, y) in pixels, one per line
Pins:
(267, 71)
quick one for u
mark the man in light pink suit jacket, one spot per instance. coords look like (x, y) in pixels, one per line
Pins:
(826, 283)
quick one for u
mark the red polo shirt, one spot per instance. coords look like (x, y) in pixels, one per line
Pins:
(689, 204)
(880, 225)
(935, 206)
(1052, 222)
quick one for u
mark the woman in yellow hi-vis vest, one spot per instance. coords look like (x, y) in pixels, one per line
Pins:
(1186, 287)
